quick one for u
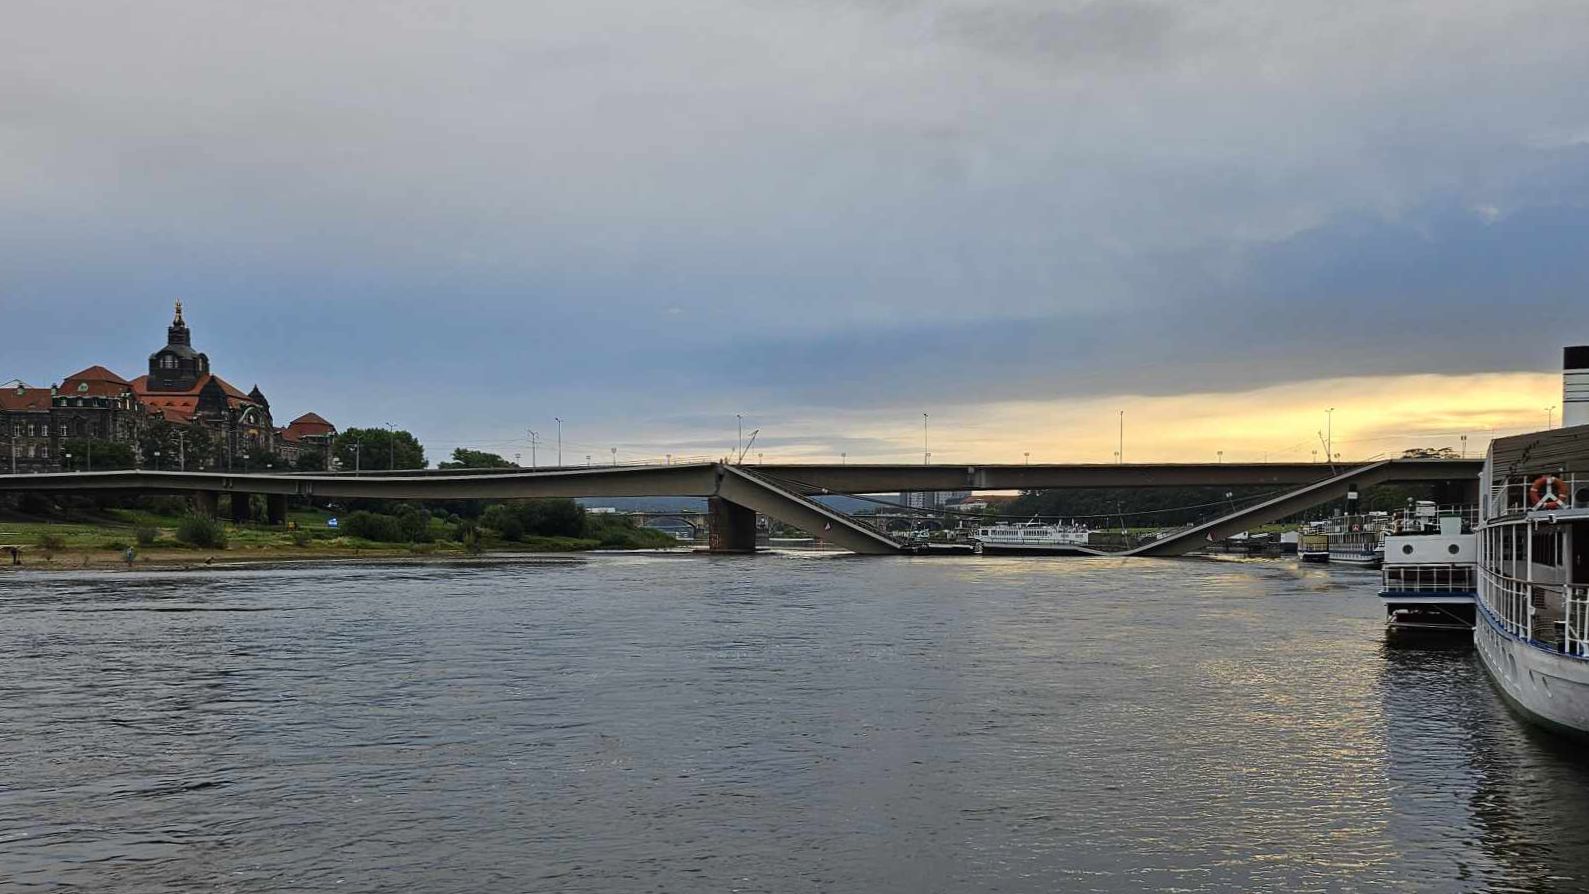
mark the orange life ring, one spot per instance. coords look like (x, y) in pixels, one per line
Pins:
(1545, 493)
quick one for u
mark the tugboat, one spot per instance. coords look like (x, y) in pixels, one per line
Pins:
(1429, 579)
(1532, 629)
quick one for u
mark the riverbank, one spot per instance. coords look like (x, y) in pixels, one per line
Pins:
(102, 540)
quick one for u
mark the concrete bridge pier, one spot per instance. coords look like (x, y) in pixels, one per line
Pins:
(240, 509)
(206, 503)
(733, 527)
(276, 509)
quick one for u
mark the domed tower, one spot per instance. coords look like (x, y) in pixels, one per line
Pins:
(177, 367)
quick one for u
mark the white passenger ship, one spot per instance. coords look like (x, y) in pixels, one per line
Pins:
(1429, 581)
(1532, 632)
(1034, 538)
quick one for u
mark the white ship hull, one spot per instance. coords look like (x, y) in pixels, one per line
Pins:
(1037, 549)
(1547, 687)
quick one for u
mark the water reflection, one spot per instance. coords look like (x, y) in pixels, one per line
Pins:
(760, 724)
(1466, 771)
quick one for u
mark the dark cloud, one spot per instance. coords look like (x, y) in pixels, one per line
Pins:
(1099, 33)
(471, 218)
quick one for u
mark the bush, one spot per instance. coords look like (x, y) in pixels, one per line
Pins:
(300, 538)
(201, 531)
(466, 533)
(414, 522)
(51, 542)
(115, 546)
(503, 520)
(373, 526)
(146, 535)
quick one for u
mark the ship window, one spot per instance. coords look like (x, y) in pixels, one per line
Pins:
(1406, 549)
(1453, 549)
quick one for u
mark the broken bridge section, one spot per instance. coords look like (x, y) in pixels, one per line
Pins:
(1199, 536)
(743, 489)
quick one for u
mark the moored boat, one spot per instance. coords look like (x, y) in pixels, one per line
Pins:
(1429, 578)
(1532, 628)
(1034, 538)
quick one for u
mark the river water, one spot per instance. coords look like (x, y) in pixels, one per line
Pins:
(769, 723)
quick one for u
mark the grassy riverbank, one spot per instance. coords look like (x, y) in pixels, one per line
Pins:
(101, 539)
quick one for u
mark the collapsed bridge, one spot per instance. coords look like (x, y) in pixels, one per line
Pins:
(736, 493)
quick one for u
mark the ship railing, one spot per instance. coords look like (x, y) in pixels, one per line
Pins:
(1575, 638)
(1515, 493)
(1511, 602)
(1430, 578)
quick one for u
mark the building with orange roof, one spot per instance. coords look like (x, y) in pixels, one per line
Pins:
(179, 402)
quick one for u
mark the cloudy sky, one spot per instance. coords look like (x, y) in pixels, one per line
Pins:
(829, 216)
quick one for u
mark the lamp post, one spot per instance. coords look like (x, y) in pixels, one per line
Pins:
(157, 460)
(1028, 455)
(358, 450)
(1550, 416)
(844, 459)
(739, 443)
(1464, 446)
(1120, 455)
(926, 456)
(559, 421)
(615, 456)
(68, 458)
(1221, 455)
(533, 438)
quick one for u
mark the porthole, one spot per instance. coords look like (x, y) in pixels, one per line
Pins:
(1453, 549)
(1406, 549)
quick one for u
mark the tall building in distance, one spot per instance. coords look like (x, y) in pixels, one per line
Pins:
(178, 402)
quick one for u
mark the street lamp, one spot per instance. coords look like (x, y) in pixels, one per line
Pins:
(926, 457)
(844, 459)
(157, 460)
(739, 443)
(68, 458)
(1028, 457)
(1221, 454)
(1464, 446)
(391, 446)
(615, 456)
(1550, 416)
(559, 421)
(1329, 432)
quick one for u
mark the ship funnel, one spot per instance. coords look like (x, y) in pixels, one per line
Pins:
(1575, 386)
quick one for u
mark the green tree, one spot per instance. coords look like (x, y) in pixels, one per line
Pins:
(96, 456)
(311, 459)
(377, 449)
(464, 458)
(180, 446)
